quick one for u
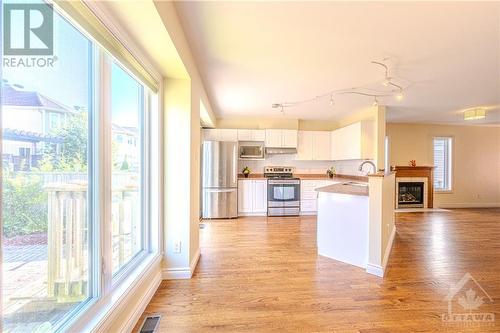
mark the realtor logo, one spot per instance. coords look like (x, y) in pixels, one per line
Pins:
(469, 294)
(28, 30)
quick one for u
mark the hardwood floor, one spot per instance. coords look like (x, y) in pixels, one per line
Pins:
(263, 275)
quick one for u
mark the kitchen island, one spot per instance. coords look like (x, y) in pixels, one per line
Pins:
(356, 222)
(343, 220)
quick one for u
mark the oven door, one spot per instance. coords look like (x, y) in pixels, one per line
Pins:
(283, 193)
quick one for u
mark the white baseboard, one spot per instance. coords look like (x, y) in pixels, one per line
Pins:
(180, 273)
(251, 214)
(141, 306)
(377, 269)
(308, 213)
(388, 248)
(470, 205)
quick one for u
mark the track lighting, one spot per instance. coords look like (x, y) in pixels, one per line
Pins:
(394, 83)
(400, 95)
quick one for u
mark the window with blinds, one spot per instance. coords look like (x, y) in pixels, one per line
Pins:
(442, 163)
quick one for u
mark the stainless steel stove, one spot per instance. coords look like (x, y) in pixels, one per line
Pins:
(283, 191)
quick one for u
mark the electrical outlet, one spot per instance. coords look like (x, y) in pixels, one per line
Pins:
(177, 247)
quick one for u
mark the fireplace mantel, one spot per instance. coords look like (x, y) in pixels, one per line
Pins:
(406, 171)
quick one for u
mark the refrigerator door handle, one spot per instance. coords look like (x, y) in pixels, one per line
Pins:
(235, 161)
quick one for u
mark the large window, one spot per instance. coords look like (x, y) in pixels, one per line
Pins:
(48, 246)
(127, 105)
(75, 167)
(443, 163)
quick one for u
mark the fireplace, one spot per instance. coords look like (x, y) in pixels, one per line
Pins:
(411, 194)
(411, 179)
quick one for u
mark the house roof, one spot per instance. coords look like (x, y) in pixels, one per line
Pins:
(125, 130)
(14, 96)
(27, 136)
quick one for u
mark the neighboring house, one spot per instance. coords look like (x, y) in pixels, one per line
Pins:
(126, 147)
(29, 120)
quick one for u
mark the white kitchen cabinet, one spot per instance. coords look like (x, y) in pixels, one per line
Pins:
(220, 134)
(288, 138)
(245, 196)
(210, 134)
(305, 145)
(313, 145)
(228, 134)
(273, 138)
(281, 138)
(309, 195)
(353, 142)
(252, 197)
(259, 202)
(258, 135)
(251, 135)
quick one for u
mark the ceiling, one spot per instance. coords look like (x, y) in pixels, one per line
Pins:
(253, 54)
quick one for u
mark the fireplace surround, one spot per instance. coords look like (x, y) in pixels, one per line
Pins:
(412, 180)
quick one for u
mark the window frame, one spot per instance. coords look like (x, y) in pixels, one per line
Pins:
(124, 271)
(448, 163)
(105, 291)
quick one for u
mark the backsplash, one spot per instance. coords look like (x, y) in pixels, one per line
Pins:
(348, 167)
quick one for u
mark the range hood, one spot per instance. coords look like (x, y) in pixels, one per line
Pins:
(276, 151)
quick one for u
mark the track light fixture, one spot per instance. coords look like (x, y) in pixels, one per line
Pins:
(392, 82)
(400, 95)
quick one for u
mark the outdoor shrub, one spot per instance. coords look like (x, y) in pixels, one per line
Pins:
(24, 205)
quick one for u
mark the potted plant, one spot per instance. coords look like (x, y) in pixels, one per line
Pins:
(331, 172)
(246, 171)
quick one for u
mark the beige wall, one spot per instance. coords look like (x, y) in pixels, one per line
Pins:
(476, 160)
(381, 222)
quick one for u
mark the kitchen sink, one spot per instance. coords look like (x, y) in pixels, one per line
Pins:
(355, 184)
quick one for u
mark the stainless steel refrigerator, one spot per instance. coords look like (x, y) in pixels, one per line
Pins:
(219, 179)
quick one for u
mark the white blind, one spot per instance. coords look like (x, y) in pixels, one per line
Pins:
(442, 163)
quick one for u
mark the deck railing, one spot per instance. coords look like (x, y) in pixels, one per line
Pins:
(68, 235)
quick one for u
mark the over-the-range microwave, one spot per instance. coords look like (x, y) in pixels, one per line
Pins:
(252, 150)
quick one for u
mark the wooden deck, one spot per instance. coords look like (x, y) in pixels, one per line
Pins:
(263, 275)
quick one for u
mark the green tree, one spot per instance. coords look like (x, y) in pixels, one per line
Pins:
(72, 153)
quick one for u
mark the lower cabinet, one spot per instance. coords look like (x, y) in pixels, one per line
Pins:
(309, 196)
(252, 197)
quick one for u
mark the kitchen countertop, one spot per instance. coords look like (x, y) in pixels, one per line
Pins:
(338, 178)
(342, 188)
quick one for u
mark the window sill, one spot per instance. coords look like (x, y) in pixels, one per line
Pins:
(97, 316)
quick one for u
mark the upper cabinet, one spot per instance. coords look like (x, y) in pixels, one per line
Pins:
(289, 138)
(251, 135)
(281, 138)
(220, 134)
(353, 142)
(314, 145)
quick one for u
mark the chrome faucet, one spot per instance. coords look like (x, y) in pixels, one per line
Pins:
(369, 162)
